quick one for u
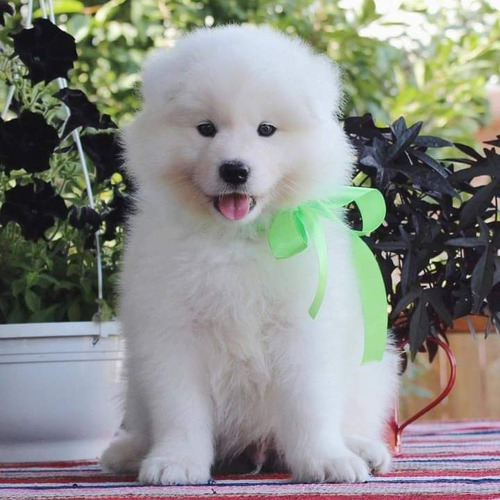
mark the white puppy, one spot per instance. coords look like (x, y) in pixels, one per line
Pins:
(237, 123)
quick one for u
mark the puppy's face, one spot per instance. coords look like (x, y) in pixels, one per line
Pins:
(233, 130)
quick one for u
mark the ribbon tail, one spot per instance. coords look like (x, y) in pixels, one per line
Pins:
(373, 299)
(314, 227)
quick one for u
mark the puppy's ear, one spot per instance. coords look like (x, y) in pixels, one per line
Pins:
(338, 92)
(160, 77)
(332, 84)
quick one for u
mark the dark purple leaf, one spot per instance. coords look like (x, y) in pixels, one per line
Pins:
(362, 126)
(466, 242)
(494, 142)
(488, 327)
(484, 230)
(403, 141)
(467, 174)
(431, 162)
(465, 161)
(391, 246)
(428, 141)
(468, 151)
(482, 279)
(478, 203)
(426, 180)
(399, 127)
(419, 328)
(463, 303)
(408, 271)
(494, 299)
(405, 301)
(369, 158)
(434, 298)
(403, 362)
(432, 350)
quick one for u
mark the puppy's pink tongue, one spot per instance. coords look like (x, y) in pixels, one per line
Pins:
(234, 206)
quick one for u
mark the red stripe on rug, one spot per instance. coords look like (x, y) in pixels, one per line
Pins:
(69, 479)
(395, 496)
(103, 479)
(47, 465)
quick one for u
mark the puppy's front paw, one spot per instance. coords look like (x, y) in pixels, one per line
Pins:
(345, 467)
(167, 470)
(375, 453)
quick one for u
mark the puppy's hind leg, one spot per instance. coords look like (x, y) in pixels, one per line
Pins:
(128, 448)
(124, 455)
(368, 409)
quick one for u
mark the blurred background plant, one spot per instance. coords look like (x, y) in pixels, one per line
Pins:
(47, 223)
(428, 60)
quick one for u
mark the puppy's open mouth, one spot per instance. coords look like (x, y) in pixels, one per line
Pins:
(234, 206)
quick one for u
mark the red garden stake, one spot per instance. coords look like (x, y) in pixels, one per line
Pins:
(395, 427)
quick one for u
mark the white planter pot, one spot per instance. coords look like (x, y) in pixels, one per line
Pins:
(59, 390)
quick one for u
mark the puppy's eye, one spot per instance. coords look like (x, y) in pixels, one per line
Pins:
(207, 129)
(266, 129)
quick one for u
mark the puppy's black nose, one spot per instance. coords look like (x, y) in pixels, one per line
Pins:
(234, 172)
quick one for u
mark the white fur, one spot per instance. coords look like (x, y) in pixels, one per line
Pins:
(221, 352)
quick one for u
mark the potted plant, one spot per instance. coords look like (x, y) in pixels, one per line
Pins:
(60, 238)
(438, 245)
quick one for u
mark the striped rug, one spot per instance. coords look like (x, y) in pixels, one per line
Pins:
(442, 461)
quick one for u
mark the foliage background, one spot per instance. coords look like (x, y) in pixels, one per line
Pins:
(428, 61)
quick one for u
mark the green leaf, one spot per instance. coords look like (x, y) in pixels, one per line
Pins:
(32, 279)
(32, 300)
(46, 314)
(74, 311)
(368, 12)
(63, 7)
(17, 315)
(107, 11)
(18, 286)
(106, 313)
(64, 285)
(419, 69)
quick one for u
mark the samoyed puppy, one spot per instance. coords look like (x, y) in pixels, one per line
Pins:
(237, 123)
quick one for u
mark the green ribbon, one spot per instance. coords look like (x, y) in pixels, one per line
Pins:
(291, 229)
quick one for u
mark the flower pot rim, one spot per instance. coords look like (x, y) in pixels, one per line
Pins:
(60, 329)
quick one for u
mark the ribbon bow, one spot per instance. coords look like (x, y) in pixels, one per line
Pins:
(289, 233)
